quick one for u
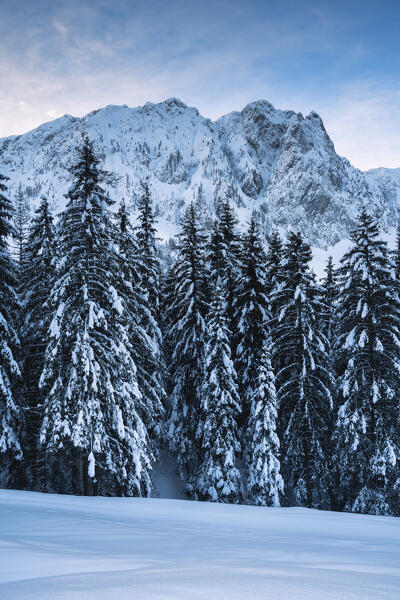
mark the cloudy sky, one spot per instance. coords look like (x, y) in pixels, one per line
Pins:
(340, 58)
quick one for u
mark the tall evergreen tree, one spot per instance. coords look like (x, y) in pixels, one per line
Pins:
(368, 434)
(274, 264)
(91, 431)
(21, 226)
(222, 256)
(143, 330)
(188, 338)
(251, 315)
(215, 256)
(150, 267)
(218, 478)
(11, 417)
(396, 255)
(274, 278)
(328, 323)
(328, 317)
(230, 254)
(329, 294)
(166, 319)
(303, 382)
(264, 483)
(37, 281)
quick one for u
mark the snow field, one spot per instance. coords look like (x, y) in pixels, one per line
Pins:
(74, 548)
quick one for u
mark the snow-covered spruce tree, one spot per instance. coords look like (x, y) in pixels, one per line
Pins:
(251, 315)
(21, 226)
(187, 336)
(11, 419)
(328, 320)
(150, 267)
(230, 252)
(274, 278)
(215, 256)
(303, 382)
(396, 255)
(328, 316)
(143, 330)
(274, 264)
(37, 281)
(329, 290)
(264, 483)
(218, 479)
(367, 433)
(91, 431)
(166, 298)
(222, 258)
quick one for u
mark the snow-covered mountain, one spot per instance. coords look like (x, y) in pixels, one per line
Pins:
(390, 174)
(279, 163)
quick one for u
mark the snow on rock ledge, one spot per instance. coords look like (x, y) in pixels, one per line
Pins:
(278, 163)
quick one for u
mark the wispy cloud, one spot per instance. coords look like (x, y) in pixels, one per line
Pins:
(23, 106)
(60, 27)
(364, 123)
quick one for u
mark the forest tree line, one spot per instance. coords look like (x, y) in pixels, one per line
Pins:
(268, 386)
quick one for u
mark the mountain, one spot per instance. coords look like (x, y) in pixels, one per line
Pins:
(392, 175)
(278, 163)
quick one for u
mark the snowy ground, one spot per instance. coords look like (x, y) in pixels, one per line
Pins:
(69, 548)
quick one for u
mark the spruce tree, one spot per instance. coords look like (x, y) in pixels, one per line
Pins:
(328, 317)
(396, 255)
(11, 415)
(215, 256)
(274, 265)
(230, 253)
(264, 482)
(166, 319)
(367, 433)
(92, 432)
(328, 322)
(149, 267)
(222, 258)
(187, 336)
(143, 330)
(274, 278)
(218, 479)
(329, 294)
(303, 382)
(21, 226)
(251, 315)
(37, 282)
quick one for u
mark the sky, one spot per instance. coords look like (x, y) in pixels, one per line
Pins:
(339, 58)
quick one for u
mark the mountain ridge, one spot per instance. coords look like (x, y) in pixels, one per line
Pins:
(277, 163)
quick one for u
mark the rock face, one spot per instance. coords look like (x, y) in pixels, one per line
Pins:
(278, 163)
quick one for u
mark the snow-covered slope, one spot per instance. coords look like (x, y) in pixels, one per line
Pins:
(391, 174)
(74, 548)
(279, 163)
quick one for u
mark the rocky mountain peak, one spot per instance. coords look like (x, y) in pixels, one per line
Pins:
(276, 163)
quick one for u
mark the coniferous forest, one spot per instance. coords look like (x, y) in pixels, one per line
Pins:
(269, 387)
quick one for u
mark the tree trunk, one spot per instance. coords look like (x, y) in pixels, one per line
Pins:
(80, 473)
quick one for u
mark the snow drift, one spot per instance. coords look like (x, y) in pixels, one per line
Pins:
(76, 548)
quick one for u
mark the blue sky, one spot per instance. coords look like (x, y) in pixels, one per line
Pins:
(339, 58)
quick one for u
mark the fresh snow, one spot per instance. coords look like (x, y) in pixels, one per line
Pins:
(73, 548)
(337, 251)
(280, 163)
